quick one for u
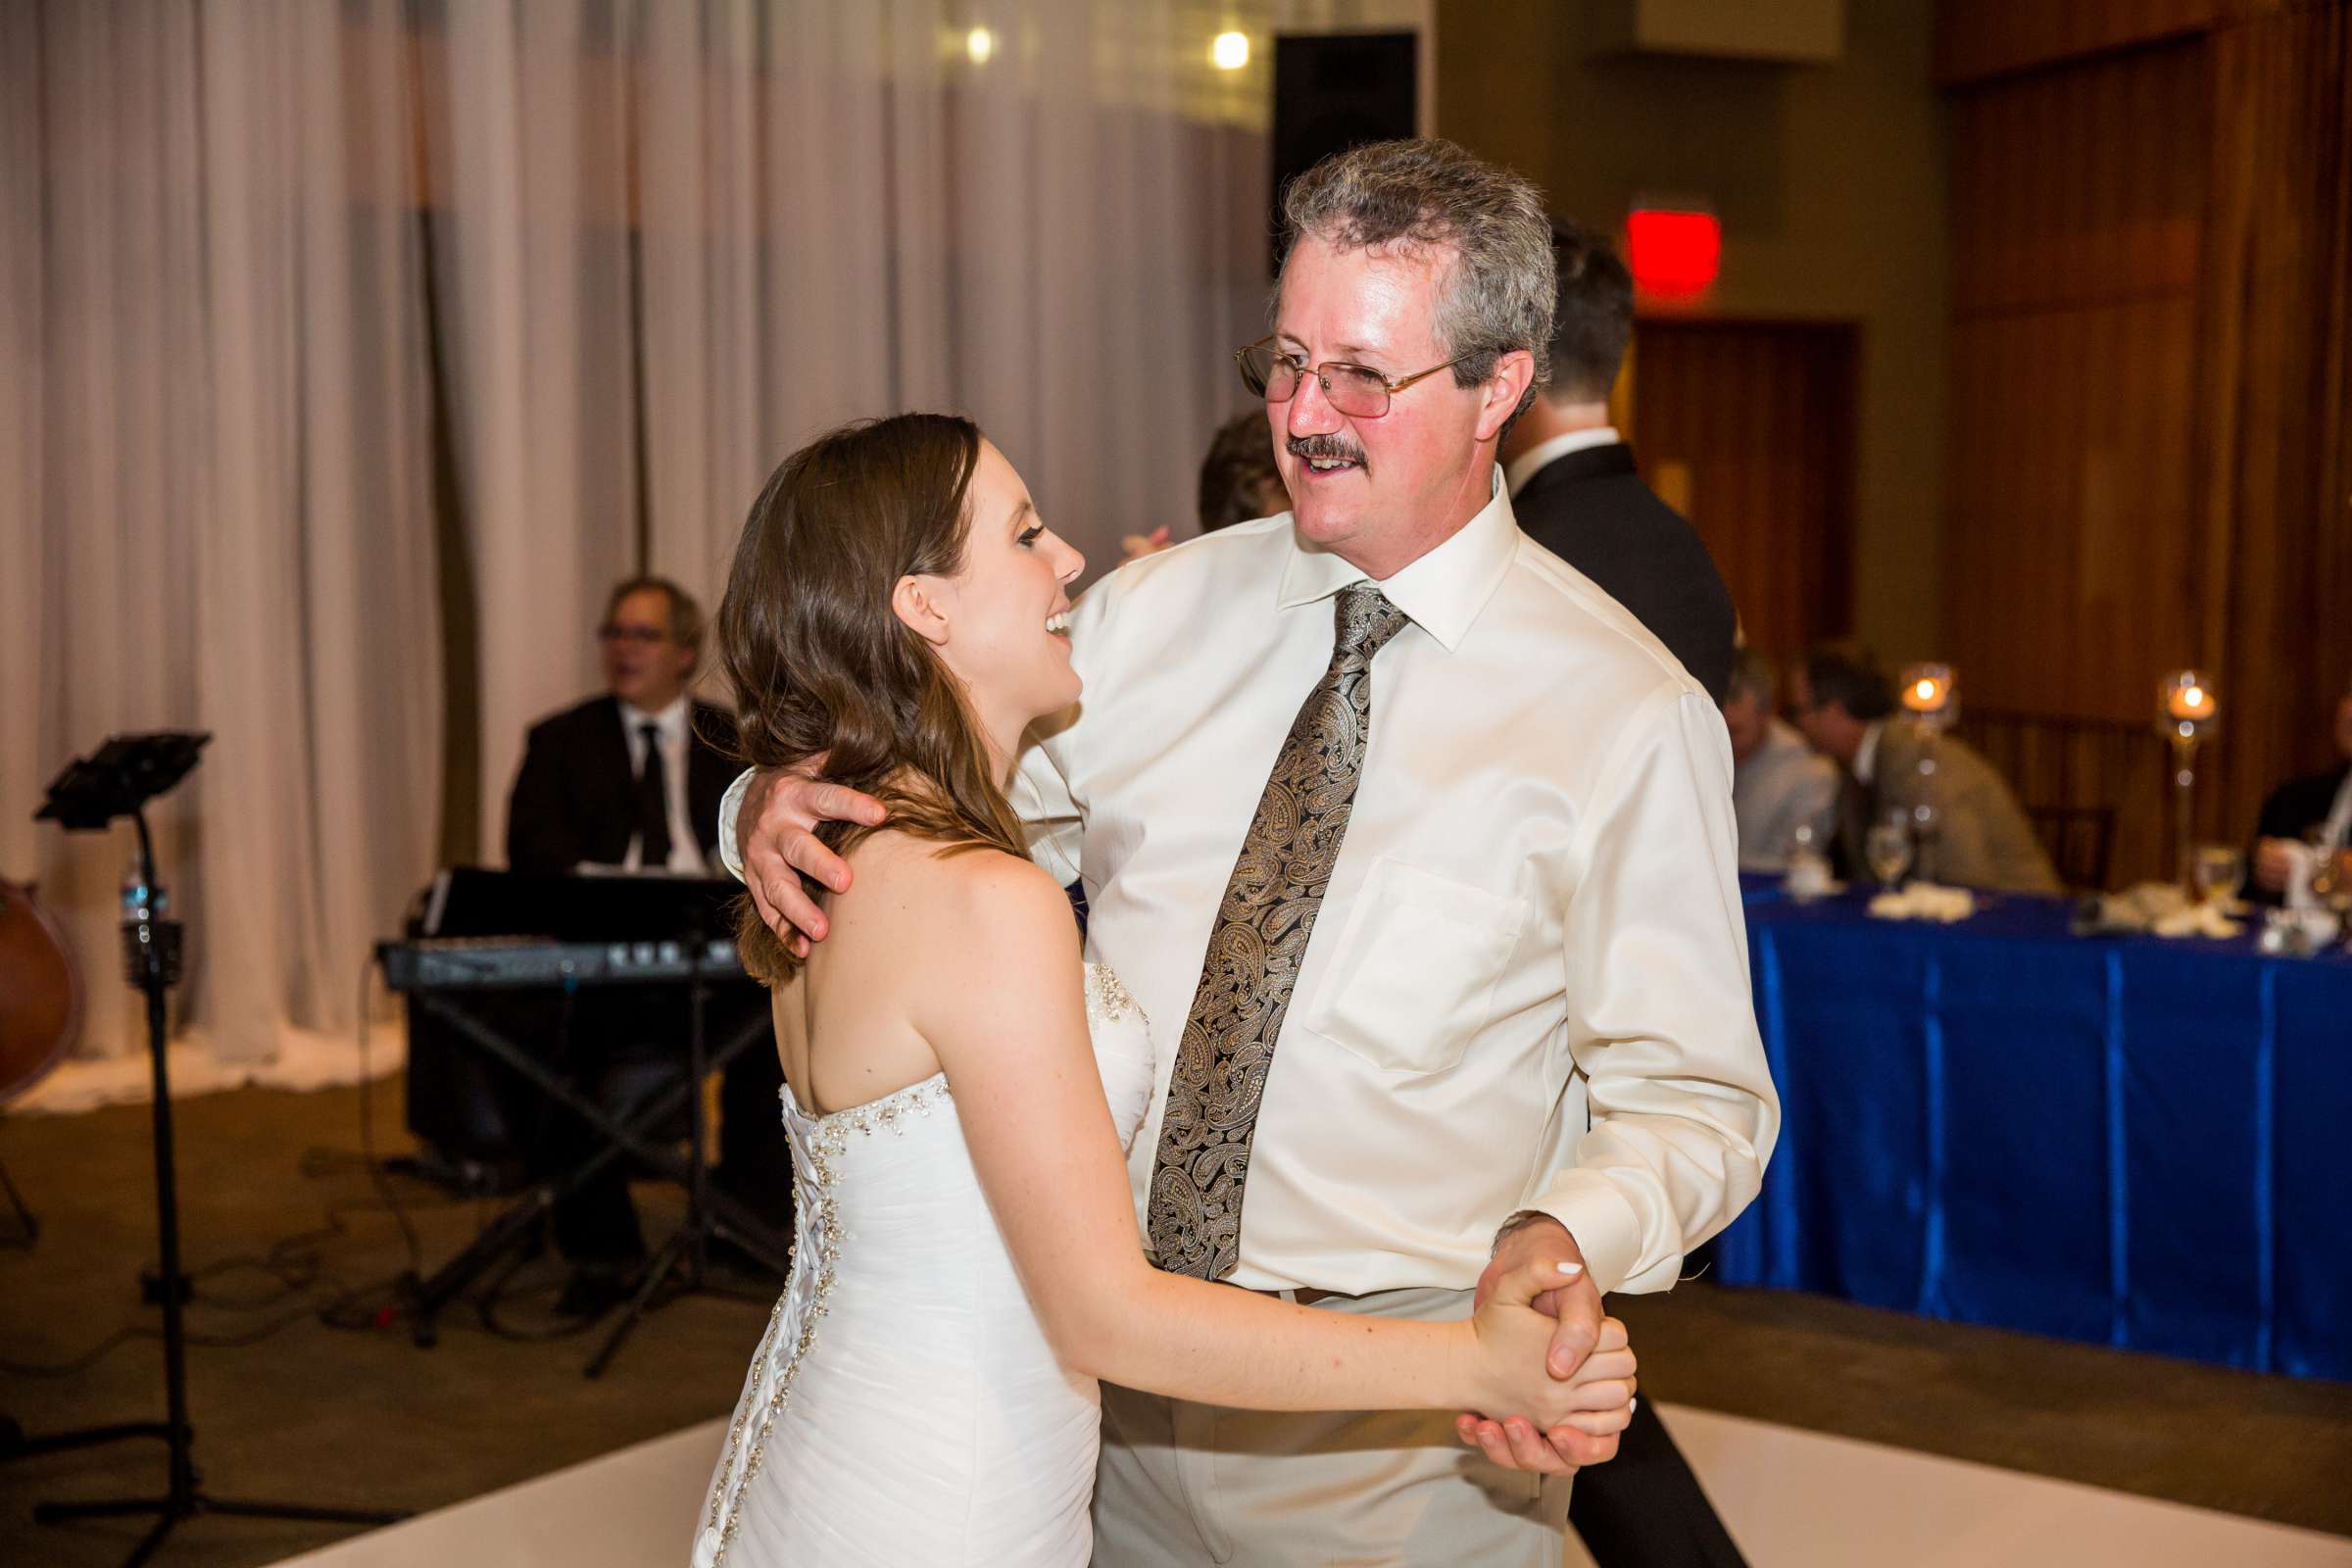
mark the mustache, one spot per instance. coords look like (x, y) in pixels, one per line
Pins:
(1327, 447)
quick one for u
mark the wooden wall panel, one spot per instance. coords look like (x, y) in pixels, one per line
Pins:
(1751, 427)
(1979, 39)
(2151, 379)
(2079, 225)
(2080, 186)
(2070, 504)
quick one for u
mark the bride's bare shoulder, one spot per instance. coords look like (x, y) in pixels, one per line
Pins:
(900, 878)
(966, 940)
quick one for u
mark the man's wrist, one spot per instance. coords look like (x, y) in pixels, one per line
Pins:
(1517, 1223)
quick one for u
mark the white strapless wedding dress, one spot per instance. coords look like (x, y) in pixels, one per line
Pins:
(904, 1407)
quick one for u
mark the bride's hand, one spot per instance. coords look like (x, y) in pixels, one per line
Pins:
(1555, 1426)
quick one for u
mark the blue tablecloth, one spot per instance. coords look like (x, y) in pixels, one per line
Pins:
(2126, 1141)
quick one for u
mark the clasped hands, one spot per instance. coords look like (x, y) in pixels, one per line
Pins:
(1585, 1351)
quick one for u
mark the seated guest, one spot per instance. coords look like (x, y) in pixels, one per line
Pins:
(633, 778)
(1779, 783)
(1841, 700)
(1239, 478)
(1572, 485)
(2303, 815)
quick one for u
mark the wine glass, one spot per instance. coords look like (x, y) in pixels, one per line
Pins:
(2220, 869)
(1888, 849)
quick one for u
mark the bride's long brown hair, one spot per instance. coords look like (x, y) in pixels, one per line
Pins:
(823, 666)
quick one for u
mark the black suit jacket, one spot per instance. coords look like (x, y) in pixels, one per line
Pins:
(575, 798)
(2293, 808)
(1590, 509)
(2299, 804)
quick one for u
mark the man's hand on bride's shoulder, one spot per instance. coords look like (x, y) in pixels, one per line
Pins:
(775, 833)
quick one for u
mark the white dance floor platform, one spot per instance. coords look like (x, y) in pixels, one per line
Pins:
(1794, 1500)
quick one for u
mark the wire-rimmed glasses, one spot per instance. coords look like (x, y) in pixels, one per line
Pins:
(1356, 390)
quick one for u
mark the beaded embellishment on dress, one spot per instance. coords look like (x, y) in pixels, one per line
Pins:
(831, 1135)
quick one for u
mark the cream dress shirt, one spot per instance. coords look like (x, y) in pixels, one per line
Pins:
(1527, 986)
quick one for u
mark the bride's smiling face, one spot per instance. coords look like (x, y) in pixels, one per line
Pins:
(1001, 622)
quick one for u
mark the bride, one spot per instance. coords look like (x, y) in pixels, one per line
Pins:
(959, 1087)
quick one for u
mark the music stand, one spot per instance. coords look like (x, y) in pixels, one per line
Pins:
(88, 797)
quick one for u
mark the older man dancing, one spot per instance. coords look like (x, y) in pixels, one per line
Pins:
(1480, 1001)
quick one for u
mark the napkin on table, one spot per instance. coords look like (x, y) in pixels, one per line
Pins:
(1925, 900)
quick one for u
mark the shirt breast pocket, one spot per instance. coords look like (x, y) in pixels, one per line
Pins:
(1415, 969)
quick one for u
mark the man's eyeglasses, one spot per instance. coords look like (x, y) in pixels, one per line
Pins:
(1356, 390)
(642, 636)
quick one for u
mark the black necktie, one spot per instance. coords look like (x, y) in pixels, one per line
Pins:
(653, 804)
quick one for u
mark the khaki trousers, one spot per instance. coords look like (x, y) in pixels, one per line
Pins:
(1187, 1485)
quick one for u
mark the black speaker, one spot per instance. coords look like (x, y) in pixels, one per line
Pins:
(1333, 91)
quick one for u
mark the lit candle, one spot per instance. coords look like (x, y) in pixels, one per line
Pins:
(2186, 703)
(1927, 691)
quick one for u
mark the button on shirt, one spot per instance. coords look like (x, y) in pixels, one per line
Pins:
(1528, 987)
(669, 724)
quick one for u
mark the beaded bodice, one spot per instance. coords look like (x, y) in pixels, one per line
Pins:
(868, 1181)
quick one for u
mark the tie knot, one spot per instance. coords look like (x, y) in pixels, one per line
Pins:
(1365, 621)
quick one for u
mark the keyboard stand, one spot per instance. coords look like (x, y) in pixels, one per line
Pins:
(709, 1211)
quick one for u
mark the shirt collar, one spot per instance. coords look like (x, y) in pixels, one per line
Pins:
(1524, 466)
(1441, 592)
(1866, 754)
(671, 721)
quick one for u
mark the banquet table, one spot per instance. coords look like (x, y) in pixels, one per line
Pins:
(2123, 1139)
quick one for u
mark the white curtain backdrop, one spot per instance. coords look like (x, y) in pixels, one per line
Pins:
(220, 515)
(839, 210)
(265, 263)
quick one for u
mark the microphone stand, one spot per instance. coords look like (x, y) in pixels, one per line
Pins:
(150, 951)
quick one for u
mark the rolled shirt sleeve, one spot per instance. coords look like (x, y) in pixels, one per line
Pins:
(1662, 1020)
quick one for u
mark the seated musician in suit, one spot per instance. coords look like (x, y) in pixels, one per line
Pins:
(2306, 815)
(632, 778)
(1841, 700)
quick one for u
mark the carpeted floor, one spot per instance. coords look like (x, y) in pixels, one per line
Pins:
(361, 1416)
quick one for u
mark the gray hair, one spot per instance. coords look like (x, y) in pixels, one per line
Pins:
(1752, 676)
(1430, 194)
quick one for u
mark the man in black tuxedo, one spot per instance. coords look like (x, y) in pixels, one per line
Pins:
(2305, 816)
(1575, 492)
(633, 779)
(1572, 484)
